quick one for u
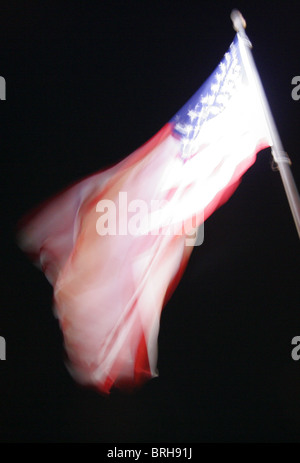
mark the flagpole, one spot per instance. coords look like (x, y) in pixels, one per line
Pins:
(279, 155)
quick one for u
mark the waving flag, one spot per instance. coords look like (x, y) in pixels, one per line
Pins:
(115, 245)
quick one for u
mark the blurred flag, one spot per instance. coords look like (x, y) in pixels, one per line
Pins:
(115, 245)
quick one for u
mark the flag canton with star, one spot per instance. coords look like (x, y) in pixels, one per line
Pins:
(209, 101)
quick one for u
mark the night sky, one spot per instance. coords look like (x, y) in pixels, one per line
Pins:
(87, 84)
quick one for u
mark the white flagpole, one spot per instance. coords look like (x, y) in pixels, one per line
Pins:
(279, 155)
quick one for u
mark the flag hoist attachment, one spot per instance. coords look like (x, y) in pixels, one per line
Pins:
(279, 155)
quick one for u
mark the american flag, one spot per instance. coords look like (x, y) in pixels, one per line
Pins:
(110, 284)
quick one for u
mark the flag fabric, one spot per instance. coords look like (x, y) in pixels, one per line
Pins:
(114, 245)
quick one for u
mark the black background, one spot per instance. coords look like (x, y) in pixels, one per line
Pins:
(87, 83)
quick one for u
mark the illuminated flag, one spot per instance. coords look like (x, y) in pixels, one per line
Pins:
(115, 245)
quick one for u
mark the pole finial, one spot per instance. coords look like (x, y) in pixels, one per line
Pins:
(239, 23)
